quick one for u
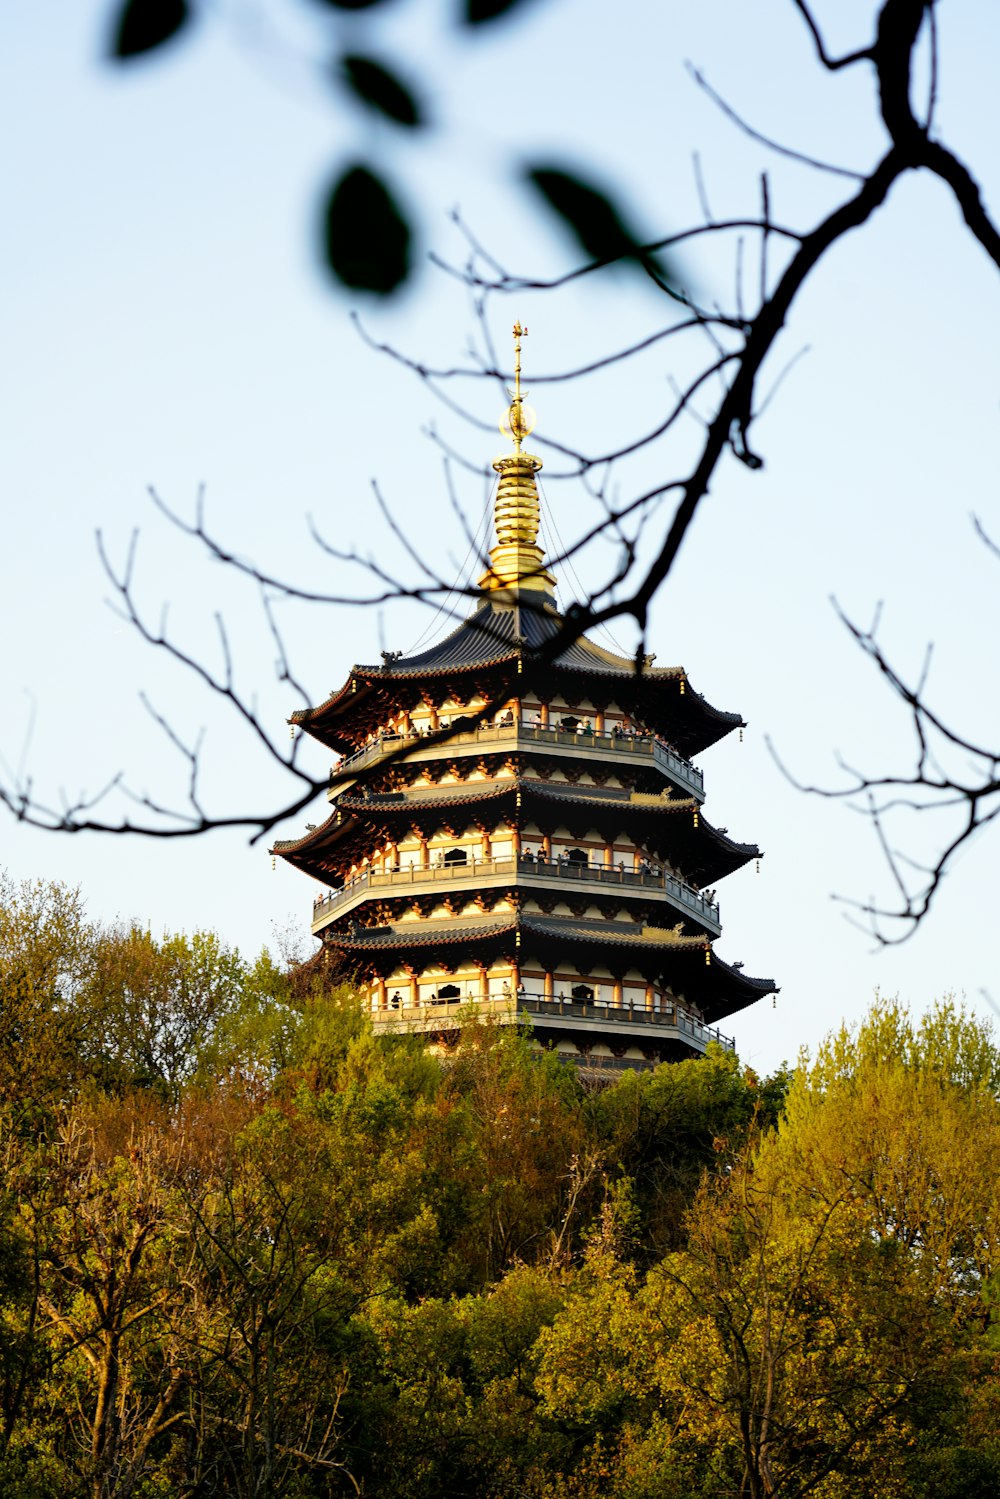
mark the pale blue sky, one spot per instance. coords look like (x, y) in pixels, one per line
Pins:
(164, 322)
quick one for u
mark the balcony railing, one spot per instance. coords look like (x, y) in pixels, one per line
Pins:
(437, 1013)
(604, 745)
(526, 871)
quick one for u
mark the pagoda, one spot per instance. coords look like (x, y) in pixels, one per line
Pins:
(516, 825)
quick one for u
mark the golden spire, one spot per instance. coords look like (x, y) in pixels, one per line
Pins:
(517, 560)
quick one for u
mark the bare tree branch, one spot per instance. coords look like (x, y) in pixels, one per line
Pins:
(720, 387)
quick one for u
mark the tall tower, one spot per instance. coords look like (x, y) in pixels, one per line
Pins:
(518, 828)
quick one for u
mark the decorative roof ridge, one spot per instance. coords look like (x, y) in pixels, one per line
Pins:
(574, 793)
(389, 936)
(476, 622)
(294, 845)
(735, 970)
(608, 931)
(399, 801)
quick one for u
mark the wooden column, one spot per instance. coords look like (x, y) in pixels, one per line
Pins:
(393, 853)
(609, 856)
(616, 992)
(414, 989)
(543, 715)
(548, 985)
(483, 983)
(425, 857)
(435, 722)
(515, 708)
(599, 720)
(547, 845)
(515, 835)
(381, 994)
(649, 996)
(487, 847)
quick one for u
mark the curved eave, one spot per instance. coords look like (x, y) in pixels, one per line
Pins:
(312, 852)
(667, 826)
(718, 988)
(514, 635)
(715, 854)
(388, 939)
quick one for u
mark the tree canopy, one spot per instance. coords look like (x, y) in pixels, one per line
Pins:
(246, 1248)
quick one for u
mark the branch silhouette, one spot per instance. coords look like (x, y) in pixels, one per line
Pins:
(724, 395)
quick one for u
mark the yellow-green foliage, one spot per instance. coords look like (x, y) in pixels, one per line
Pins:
(247, 1248)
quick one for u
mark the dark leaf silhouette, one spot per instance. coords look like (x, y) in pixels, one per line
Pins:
(487, 10)
(351, 4)
(382, 90)
(146, 24)
(367, 236)
(596, 222)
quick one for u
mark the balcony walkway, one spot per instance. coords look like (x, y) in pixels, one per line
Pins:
(604, 1022)
(487, 873)
(604, 748)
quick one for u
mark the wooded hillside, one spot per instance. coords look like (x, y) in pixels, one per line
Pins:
(246, 1249)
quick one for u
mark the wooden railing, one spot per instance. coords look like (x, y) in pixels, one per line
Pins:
(437, 1012)
(648, 746)
(553, 872)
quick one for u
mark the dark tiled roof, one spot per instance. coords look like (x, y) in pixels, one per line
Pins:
(430, 798)
(500, 631)
(505, 632)
(419, 934)
(618, 933)
(654, 806)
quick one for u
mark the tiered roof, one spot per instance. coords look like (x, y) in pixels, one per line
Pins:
(668, 825)
(516, 645)
(512, 636)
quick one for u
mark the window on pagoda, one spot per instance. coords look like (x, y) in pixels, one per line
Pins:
(449, 991)
(577, 856)
(581, 991)
(570, 723)
(456, 856)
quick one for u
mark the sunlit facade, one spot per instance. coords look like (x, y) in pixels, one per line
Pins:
(516, 828)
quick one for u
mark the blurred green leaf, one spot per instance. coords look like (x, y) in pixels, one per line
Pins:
(367, 238)
(487, 10)
(382, 90)
(146, 24)
(597, 223)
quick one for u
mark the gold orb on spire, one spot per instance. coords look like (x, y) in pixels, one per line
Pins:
(519, 419)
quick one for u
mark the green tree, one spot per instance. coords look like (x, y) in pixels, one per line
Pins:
(820, 1328)
(100, 1208)
(663, 1129)
(46, 947)
(162, 1012)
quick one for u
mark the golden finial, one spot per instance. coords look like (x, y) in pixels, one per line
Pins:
(517, 561)
(519, 419)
